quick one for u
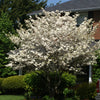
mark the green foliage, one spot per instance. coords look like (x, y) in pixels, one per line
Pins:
(96, 74)
(96, 68)
(70, 80)
(6, 27)
(37, 83)
(48, 98)
(87, 91)
(68, 98)
(1, 80)
(28, 91)
(13, 85)
(67, 91)
(92, 91)
(70, 94)
(18, 9)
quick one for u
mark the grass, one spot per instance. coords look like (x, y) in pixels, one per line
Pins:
(11, 97)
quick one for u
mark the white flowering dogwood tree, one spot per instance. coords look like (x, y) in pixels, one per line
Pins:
(54, 43)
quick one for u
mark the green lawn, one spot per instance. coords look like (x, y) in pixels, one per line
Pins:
(11, 97)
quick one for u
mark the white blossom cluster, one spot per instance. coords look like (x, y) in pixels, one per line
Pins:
(54, 42)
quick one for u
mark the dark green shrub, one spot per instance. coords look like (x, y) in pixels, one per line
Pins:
(13, 85)
(92, 91)
(82, 90)
(69, 79)
(96, 73)
(1, 80)
(67, 92)
(37, 83)
(70, 94)
(86, 91)
(96, 68)
(48, 98)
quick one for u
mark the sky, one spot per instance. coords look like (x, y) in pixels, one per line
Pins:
(55, 1)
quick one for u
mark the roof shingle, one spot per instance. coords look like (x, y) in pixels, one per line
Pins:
(74, 5)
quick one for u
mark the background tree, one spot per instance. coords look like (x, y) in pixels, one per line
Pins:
(96, 67)
(20, 8)
(4, 5)
(53, 43)
(6, 27)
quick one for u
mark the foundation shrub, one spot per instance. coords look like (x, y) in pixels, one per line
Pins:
(37, 83)
(13, 85)
(87, 91)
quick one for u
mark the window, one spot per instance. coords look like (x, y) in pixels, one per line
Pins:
(81, 18)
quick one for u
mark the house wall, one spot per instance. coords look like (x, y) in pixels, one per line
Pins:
(96, 18)
(81, 17)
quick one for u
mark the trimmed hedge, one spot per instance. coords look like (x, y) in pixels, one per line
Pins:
(13, 85)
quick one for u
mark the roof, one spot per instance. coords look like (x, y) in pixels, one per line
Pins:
(74, 5)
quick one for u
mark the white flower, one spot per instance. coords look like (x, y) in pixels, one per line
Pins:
(54, 40)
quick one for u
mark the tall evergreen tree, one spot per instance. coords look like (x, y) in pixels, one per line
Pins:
(6, 27)
(18, 9)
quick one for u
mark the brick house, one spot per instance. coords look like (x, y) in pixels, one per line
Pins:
(86, 8)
